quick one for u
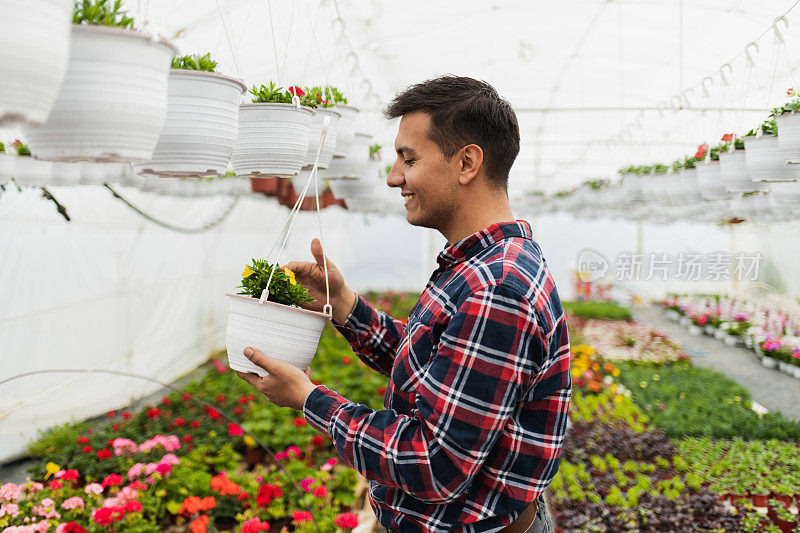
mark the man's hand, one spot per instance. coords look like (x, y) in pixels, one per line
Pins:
(285, 385)
(312, 277)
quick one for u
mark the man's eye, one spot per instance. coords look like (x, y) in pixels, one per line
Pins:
(409, 162)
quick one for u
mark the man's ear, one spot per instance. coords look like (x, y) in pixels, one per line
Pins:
(470, 160)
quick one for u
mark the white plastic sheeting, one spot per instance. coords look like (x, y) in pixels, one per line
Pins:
(113, 291)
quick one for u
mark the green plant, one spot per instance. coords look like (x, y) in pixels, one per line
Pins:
(375, 152)
(598, 310)
(768, 127)
(101, 13)
(2, 148)
(194, 62)
(332, 94)
(21, 148)
(270, 94)
(283, 288)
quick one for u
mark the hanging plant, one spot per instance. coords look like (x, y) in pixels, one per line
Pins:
(375, 152)
(101, 13)
(195, 62)
(283, 288)
(318, 97)
(332, 94)
(273, 94)
(21, 148)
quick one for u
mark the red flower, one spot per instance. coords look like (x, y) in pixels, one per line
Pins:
(132, 506)
(728, 137)
(267, 493)
(237, 410)
(166, 401)
(87, 449)
(199, 524)
(110, 442)
(221, 398)
(243, 399)
(83, 440)
(111, 414)
(179, 422)
(72, 527)
(213, 414)
(186, 438)
(299, 422)
(186, 396)
(254, 525)
(138, 485)
(701, 151)
(163, 469)
(112, 480)
(194, 424)
(302, 516)
(382, 390)
(296, 91)
(107, 515)
(103, 454)
(321, 491)
(126, 415)
(346, 520)
(69, 475)
(153, 412)
(317, 440)
(346, 360)
(55, 484)
(234, 430)
(115, 427)
(220, 366)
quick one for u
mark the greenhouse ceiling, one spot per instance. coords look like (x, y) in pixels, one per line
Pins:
(598, 84)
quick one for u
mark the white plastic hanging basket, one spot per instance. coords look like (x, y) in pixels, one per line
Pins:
(6, 166)
(735, 175)
(330, 140)
(789, 136)
(201, 126)
(362, 187)
(354, 164)
(34, 52)
(346, 132)
(765, 162)
(281, 332)
(33, 172)
(786, 196)
(709, 181)
(113, 102)
(273, 140)
(65, 173)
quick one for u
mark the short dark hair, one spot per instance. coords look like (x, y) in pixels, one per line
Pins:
(465, 111)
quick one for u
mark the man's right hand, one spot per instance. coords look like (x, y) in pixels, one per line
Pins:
(312, 277)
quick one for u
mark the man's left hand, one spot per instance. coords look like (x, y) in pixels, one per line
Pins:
(284, 385)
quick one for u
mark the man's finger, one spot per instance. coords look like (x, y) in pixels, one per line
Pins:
(249, 377)
(316, 251)
(259, 359)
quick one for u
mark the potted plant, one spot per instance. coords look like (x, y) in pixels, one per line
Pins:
(788, 123)
(34, 52)
(113, 102)
(763, 157)
(202, 121)
(355, 162)
(346, 132)
(709, 172)
(360, 190)
(734, 172)
(276, 326)
(6, 163)
(315, 96)
(274, 132)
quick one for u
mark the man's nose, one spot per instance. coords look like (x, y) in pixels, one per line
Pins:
(394, 178)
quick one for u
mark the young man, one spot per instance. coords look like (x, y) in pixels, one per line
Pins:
(479, 386)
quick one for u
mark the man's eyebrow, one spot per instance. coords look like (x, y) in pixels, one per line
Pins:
(405, 149)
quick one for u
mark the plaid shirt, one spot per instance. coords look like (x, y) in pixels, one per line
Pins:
(476, 407)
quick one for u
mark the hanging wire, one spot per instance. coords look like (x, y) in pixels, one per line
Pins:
(286, 47)
(274, 41)
(244, 26)
(228, 37)
(227, 211)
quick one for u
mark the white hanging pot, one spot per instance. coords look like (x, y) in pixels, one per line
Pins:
(735, 175)
(346, 132)
(282, 332)
(361, 187)
(113, 101)
(765, 162)
(789, 136)
(201, 126)
(66, 173)
(709, 181)
(92, 173)
(33, 172)
(34, 52)
(354, 164)
(273, 140)
(687, 188)
(330, 140)
(6, 166)
(786, 195)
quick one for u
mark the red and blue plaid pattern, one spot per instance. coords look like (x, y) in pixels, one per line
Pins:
(476, 407)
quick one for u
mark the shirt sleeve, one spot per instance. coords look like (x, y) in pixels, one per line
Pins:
(485, 360)
(373, 335)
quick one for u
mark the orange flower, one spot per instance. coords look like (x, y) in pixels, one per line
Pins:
(595, 386)
(223, 484)
(193, 504)
(609, 367)
(199, 524)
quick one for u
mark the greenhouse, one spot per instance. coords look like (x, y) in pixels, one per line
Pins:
(339, 265)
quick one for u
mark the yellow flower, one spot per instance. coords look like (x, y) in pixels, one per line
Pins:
(617, 399)
(51, 468)
(247, 272)
(615, 373)
(290, 275)
(249, 441)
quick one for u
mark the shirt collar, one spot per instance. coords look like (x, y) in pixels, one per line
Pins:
(473, 244)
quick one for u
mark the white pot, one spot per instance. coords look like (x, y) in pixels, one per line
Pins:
(330, 139)
(719, 334)
(673, 315)
(273, 139)
(709, 181)
(695, 330)
(92, 173)
(281, 332)
(687, 189)
(786, 194)
(33, 172)
(354, 164)
(730, 340)
(66, 173)
(362, 187)
(789, 137)
(201, 126)
(685, 320)
(34, 53)
(765, 162)
(346, 133)
(796, 372)
(769, 362)
(112, 104)
(709, 330)
(6, 166)
(735, 175)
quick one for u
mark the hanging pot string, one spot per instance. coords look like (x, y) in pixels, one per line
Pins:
(228, 37)
(295, 486)
(290, 220)
(274, 40)
(284, 69)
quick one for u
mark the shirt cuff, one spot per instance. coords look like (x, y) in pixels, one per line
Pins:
(359, 318)
(320, 406)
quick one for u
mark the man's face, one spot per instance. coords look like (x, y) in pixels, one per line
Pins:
(427, 180)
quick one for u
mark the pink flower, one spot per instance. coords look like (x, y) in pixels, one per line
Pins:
(346, 520)
(150, 468)
(135, 471)
(163, 469)
(128, 493)
(123, 446)
(254, 525)
(329, 464)
(73, 503)
(36, 486)
(234, 430)
(112, 502)
(10, 509)
(281, 455)
(170, 459)
(293, 450)
(302, 516)
(306, 483)
(112, 480)
(320, 492)
(48, 502)
(93, 488)
(41, 526)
